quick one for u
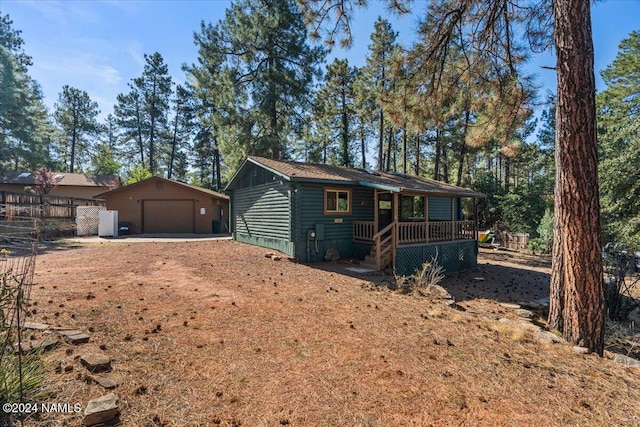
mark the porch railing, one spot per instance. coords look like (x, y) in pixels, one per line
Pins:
(363, 230)
(420, 232)
(385, 245)
(464, 230)
(412, 232)
(440, 231)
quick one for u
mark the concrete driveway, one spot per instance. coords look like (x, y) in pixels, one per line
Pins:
(146, 238)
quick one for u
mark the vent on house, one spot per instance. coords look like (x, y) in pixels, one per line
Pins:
(401, 175)
(59, 176)
(371, 172)
(24, 175)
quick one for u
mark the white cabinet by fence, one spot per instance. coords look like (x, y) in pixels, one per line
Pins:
(108, 224)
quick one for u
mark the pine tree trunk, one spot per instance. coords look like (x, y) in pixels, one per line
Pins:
(463, 146)
(381, 142)
(346, 161)
(404, 151)
(507, 174)
(74, 136)
(417, 167)
(445, 163)
(436, 161)
(152, 130)
(363, 148)
(216, 155)
(274, 143)
(389, 146)
(577, 286)
(139, 130)
(174, 142)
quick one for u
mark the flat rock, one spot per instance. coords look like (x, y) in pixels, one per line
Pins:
(548, 337)
(68, 332)
(107, 381)
(36, 326)
(101, 410)
(80, 338)
(580, 350)
(529, 304)
(46, 344)
(510, 305)
(527, 314)
(436, 291)
(528, 326)
(626, 360)
(96, 362)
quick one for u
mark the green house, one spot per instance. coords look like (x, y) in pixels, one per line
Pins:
(384, 219)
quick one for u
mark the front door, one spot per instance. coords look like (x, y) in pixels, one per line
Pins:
(385, 210)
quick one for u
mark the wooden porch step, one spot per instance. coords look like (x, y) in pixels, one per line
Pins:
(365, 264)
(370, 261)
(373, 251)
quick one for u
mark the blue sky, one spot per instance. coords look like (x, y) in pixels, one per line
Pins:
(98, 46)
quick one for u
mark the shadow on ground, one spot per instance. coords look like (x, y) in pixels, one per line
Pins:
(502, 276)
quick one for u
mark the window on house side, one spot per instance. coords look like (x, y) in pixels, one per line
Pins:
(337, 201)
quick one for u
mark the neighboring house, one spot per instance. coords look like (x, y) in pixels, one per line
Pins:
(79, 185)
(159, 205)
(304, 209)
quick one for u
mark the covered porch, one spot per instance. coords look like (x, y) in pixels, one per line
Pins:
(413, 219)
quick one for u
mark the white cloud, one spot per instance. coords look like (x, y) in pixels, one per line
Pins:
(83, 67)
(135, 52)
(65, 13)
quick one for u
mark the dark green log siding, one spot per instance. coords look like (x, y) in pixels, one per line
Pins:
(261, 216)
(309, 211)
(255, 176)
(440, 209)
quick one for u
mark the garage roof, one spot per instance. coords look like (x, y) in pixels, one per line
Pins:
(170, 181)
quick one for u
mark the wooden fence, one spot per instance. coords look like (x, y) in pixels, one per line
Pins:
(42, 206)
(517, 241)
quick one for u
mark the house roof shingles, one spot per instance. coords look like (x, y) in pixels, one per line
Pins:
(72, 179)
(298, 171)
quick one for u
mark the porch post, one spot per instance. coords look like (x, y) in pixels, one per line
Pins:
(453, 234)
(395, 230)
(375, 211)
(395, 207)
(475, 218)
(426, 218)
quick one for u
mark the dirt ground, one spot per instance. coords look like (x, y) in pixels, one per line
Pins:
(214, 333)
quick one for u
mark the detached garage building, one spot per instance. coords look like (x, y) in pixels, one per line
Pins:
(159, 205)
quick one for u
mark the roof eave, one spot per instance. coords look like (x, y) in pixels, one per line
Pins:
(240, 170)
(379, 186)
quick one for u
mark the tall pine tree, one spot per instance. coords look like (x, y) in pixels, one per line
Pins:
(337, 97)
(143, 115)
(260, 48)
(76, 116)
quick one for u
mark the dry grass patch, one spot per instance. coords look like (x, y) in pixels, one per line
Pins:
(214, 333)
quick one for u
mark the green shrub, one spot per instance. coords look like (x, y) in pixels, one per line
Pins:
(544, 243)
(33, 373)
